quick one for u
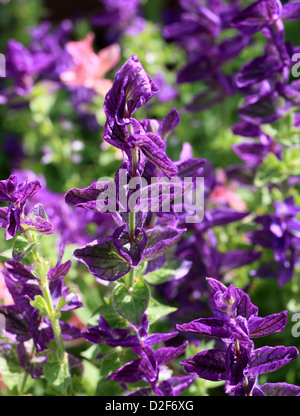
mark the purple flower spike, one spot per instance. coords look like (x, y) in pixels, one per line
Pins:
(280, 232)
(148, 366)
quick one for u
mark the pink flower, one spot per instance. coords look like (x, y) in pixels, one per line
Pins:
(90, 68)
(225, 192)
(5, 296)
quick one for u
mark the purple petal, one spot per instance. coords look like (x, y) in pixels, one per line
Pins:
(160, 240)
(129, 373)
(132, 89)
(167, 354)
(87, 197)
(131, 250)
(103, 260)
(268, 359)
(205, 99)
(168, 124)
(131, 341)
(257, 70)
(245, 307)
(291, 10)
(237, 258)
(26, 190)
(206, 326)
(13, 221)
(190, 167)
(3, 217)
(143, 326)
(153, 148)
(280, 389)
(7, 188)
(260, 109)
(159, 337)
(250, 152)
(179, 384)
(19, 271)
(141, 392)
(69, 331)
(223, 216)
(242, 128)
(198, 69)
(259, 327)
(115, 134)
(60, 270)
(32, 365)
(254, 17)
(38, 224)
(209, 364)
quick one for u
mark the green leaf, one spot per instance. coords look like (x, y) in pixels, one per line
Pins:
(131, 303)
(291, 160)
(172, 269)
(61, 304)
(111, 361)
(22, 248)
(11, 371)
(271, 171)
(57, 373)
(40, 304)
(6, 255)
(157, 310)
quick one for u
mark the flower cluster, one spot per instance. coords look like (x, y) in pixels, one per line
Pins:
(280, 232)
(265, 80)
(236, 323)
(149, 364)
(198, 32)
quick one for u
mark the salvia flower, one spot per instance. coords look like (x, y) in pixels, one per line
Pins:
(198, 32)
(236, 323)
(279, 231)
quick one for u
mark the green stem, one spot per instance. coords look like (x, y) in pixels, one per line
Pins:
(25, 376)
(44, 284)
(131, 278)
(131, 225)
(23, 385)
(134, 153)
